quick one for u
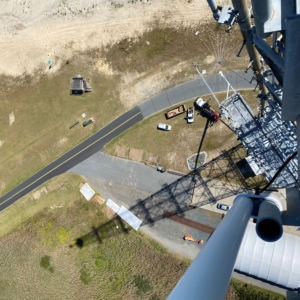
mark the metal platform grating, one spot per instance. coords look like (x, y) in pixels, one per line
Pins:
(270, 143)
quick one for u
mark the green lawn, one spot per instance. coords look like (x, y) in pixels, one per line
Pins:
(60, 191)
(44, 110)
(172, 148)
(40, 259)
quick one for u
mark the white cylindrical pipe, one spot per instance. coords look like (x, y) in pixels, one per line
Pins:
(262, 11)
(208, 277)
(268, 225)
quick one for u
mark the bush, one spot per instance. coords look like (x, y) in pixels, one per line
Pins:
(85, 277)
(63, 235)
(143, 284)
(45, 262)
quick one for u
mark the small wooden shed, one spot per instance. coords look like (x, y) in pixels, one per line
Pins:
(78, 85)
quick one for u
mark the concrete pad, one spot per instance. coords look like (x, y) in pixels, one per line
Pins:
(87, 192)
(112, 205)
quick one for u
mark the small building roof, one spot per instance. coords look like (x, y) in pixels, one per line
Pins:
(87, 192)
(112, 205)
(76, 83)
(129, 217)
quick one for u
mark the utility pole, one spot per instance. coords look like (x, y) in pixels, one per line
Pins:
(243, 19)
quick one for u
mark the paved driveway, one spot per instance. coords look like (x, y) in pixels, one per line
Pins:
(125, 121)
(193, 89)
(148, 194)
(124, 172)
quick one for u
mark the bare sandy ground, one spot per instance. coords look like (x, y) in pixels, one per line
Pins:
(34, 32)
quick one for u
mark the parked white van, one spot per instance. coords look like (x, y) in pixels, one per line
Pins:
(162, 126)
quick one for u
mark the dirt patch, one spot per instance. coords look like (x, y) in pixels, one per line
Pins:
(151, 158)
(209, 59)
(36, 195)
(62, 141)
(51, 186)
(122, 151)
(98, 199)
(11, 118)
(138, 87)
(1, 143)
(162, 56)
(136, 154)
(56, 206)
(59, 28)
(102, 67)
(172, 158)
(44, 190)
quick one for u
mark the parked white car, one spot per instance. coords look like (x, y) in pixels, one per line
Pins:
(223, 206)
(190, 115)
(162, 126)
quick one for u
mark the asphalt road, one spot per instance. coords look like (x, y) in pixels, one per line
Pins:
(96, 142)
(193, 89)
(78, 154)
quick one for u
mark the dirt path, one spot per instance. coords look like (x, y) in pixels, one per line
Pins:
(35, 32)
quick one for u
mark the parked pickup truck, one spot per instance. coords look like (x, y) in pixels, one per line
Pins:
(206, 110)
(176, 111)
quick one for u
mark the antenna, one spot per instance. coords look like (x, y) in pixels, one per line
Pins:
(228, 84)
(194, 65)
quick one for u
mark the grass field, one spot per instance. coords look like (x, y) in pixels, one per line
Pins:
(37, 261)
(37, 111)
(40, 259)
(171, 148)
(211, 48)
(245, 291)
(60, 191)
(43, 113)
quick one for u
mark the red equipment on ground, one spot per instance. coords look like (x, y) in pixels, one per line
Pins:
(188, 237)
